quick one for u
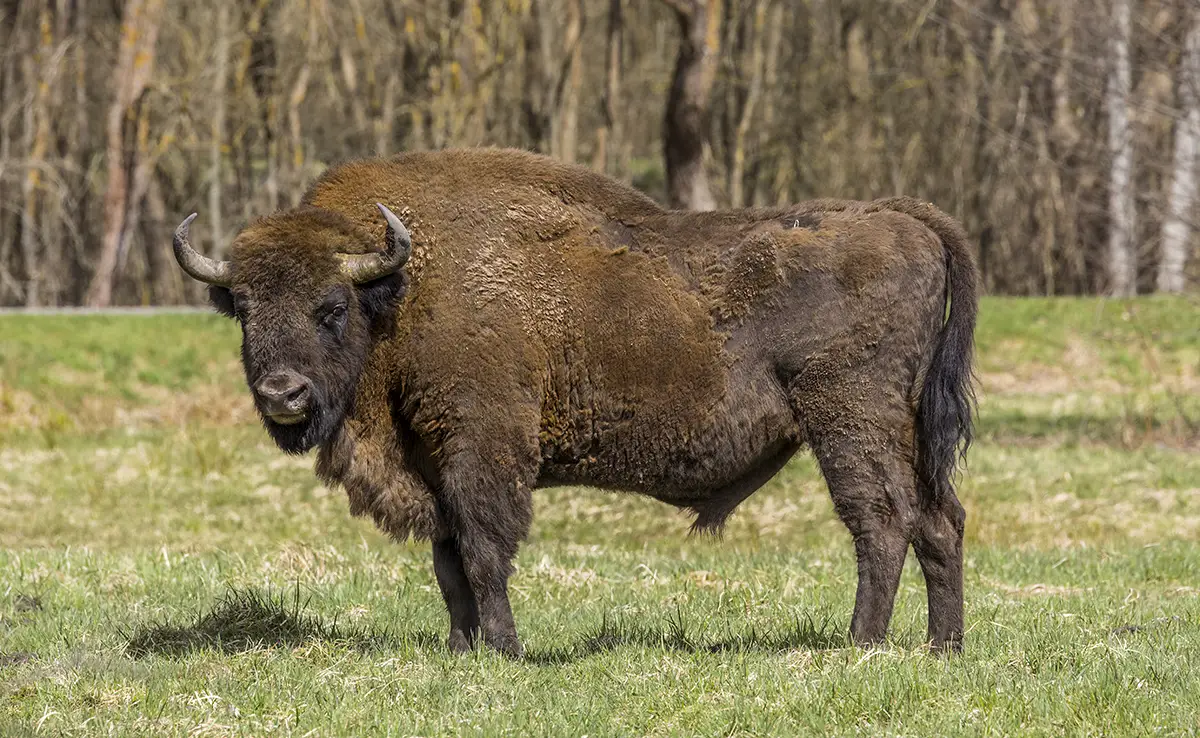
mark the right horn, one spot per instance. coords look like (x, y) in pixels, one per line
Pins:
(360, 268)
(196, 264)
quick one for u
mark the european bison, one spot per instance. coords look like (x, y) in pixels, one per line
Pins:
(546, 325)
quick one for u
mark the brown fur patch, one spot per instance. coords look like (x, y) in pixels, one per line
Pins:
(754, 272)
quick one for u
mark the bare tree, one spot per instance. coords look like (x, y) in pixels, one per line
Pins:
(608, 136)
(37, 134)
(685, 128)
(1177, 228)
(737, 172)
(569, 120)
(217, 139)
(1122, 261)
(135, 61)
(296, 97)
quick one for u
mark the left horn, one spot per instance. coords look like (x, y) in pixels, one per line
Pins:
(196, 264)
(366, 267)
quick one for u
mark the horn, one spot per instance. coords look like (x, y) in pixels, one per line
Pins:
(366, 267)
(197, 265)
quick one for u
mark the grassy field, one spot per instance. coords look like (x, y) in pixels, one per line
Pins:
(165, 571)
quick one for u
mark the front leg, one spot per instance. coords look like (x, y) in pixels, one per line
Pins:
(478, 413)
(485, 492)
(488, 565)
(456, 591)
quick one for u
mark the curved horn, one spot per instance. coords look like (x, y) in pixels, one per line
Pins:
(366, 267)
(196, 264)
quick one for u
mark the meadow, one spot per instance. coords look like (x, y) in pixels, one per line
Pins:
(164, 570)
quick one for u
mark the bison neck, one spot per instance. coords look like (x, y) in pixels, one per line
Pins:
(368, 459)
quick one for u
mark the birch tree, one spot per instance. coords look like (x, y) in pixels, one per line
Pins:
(1177, 227)
(217, 140)
(1122, 261)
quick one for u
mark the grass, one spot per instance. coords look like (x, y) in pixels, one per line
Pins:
(165, 571)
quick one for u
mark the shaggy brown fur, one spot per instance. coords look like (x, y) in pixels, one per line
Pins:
(553, 326)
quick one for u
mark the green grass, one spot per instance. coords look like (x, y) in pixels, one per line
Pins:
(165, 571)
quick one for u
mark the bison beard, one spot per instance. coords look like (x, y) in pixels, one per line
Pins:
(557, 327)
(321, 423)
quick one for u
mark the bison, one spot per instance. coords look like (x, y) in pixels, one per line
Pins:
(453, 330)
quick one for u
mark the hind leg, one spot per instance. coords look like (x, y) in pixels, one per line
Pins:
(867, 464)
(939, 547)
(875, 506)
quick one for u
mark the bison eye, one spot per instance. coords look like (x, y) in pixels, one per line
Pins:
(335, 318)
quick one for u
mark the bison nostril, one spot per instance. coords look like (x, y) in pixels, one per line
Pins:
(283, 393)
(298, 395)
(289, 392)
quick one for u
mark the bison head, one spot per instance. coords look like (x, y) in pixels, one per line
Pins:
(311, 293)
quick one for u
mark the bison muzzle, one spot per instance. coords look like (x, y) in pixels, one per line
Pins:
(521, 324)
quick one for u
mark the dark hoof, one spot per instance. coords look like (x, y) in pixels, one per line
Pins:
(506, 645)
(459, 642)
(947, 646)
(865, 641)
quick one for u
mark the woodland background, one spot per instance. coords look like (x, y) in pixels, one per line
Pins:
(1064, 134)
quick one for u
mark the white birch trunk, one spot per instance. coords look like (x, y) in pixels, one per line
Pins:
(220, 74)
(1122, 262)
(1177, 227)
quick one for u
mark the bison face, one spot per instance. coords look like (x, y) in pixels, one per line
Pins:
(311, 296)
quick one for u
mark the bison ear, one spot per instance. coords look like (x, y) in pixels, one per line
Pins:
(381, 297)
(222, 300)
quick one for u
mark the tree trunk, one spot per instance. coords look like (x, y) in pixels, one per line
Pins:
(10, 42)
(37, 128)
(608, 138)
(264, 78)
(76, 262)
(354, 95)
(685, 128)
(164, 276)
(569, 122)
(135, 59)
(217, 140)
(535, 103)
(738, 171)
(296, 182)
(1122, 261)
(766, 123)
(1177, 228)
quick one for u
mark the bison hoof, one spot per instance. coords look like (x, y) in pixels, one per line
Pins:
(507, 645)
(947, 646)
(459, 642)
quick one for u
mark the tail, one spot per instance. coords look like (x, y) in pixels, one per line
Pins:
(945, 411)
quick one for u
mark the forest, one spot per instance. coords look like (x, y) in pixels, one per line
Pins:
(1064, 135)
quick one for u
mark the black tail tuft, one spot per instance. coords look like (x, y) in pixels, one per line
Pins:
(946, 408)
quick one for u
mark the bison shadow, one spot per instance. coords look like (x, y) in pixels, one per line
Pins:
(804, 633)
(248, 620)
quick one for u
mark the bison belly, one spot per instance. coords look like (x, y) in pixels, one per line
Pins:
(642, 394)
